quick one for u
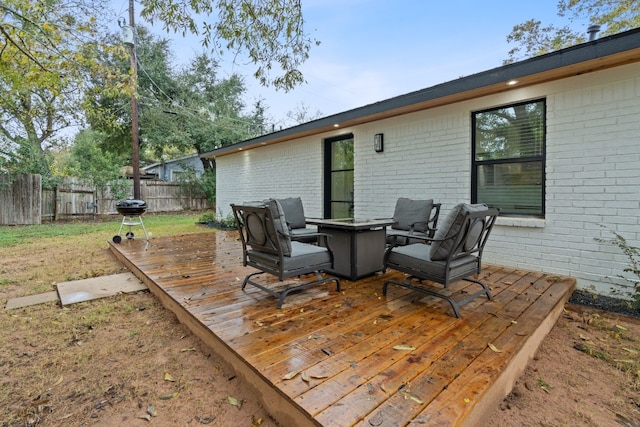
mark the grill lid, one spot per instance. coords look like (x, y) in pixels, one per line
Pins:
(130, 203)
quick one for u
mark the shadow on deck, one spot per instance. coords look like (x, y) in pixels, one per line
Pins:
(341, 345)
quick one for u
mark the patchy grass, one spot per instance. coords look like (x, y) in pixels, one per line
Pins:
(613, 343)
(123, 360)
(38, 256)
(158, 225)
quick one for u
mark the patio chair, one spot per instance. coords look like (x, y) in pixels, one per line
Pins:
(267, 246)
(413, 218)
(296, 221)
(455, 253)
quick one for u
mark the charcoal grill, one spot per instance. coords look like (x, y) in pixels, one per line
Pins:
(131, 211)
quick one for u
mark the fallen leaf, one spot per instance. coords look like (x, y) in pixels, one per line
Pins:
(152, 411)
(408, 395)
(415, 398)
(170, 396)
(207, 420)
(59, 380)
(235, 402)
(404, 347)
(255, 422)
(319, 376)
(494, 348)
(187, 349)
(290, 375)
(467, 400)
(168, 377)
(621, 328)
(145, 417)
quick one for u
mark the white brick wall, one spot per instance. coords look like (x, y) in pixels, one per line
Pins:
(592, 173)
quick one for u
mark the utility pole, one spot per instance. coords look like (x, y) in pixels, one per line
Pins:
(135, 147)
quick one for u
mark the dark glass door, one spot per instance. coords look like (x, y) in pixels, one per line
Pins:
(339, 177)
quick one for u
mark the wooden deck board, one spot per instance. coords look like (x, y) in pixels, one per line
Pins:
(342, 343)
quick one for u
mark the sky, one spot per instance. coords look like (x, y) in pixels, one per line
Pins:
(372, 50)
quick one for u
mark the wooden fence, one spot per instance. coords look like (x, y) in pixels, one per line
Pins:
(22, 201)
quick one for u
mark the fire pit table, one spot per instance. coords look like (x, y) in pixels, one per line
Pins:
(131, 211)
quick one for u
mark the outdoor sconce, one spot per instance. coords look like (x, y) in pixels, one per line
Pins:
(378, 143)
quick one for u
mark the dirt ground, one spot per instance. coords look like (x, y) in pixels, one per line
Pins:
(126, 360)
(584, 373)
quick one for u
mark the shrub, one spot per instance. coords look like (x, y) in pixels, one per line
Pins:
(633, 256)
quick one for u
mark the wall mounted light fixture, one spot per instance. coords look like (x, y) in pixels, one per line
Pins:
(378, 143)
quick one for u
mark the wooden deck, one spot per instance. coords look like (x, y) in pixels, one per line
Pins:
(342, 343)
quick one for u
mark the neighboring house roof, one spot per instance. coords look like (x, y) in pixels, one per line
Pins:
(606, 52)
(181, 159)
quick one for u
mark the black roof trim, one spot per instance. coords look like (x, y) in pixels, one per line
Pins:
(598, 48)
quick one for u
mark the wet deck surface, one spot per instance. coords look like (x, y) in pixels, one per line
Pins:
(344, 358)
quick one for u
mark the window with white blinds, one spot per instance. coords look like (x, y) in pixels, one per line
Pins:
(508, 158)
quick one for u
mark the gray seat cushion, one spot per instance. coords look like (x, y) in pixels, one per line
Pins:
(293, 212)
(417, 257)
(444, 239)
(281, 232)
(303, 256)
(409, 212)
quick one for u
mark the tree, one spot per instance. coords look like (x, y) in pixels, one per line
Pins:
(187, 111)
(49, 57)
(98, 168)
(302, 114)
(269, 32)
(46, 54)
(533, 39)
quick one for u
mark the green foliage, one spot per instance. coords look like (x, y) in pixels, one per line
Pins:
(217, 220)
(44, 64)
(614, 15)
(208, 185)
(97, 167)
(534, 39)
(203, 186)
(27, 159)
(180, 112)
(632, 271)
(209, 216)
(269, 33)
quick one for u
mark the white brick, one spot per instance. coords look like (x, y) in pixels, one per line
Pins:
(592, 173)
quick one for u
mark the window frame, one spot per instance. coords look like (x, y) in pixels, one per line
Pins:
(328, 201)
(541, 159)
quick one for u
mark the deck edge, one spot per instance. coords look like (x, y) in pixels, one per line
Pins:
(514, 369)
(279, 407)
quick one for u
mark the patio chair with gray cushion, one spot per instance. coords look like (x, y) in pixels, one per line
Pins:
(413, 218)
(296, 221)
(455, 253)
(267, 246)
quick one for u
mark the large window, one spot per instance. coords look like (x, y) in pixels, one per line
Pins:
(508, 158)
(339, 177)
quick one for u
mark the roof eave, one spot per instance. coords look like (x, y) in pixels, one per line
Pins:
(607, 52)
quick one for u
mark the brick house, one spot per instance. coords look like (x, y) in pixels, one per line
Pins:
(554, 141)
